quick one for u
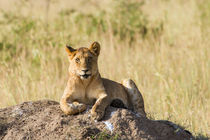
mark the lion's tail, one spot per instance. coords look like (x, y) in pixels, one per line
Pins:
(135, 96)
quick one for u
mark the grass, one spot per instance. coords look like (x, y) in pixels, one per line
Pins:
(104, 136)
(162, 45)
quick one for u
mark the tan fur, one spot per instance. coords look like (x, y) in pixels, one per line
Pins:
(86, 87)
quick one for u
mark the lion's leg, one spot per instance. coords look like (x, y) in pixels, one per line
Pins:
(135, 96)
(70, 107)
(99, 107)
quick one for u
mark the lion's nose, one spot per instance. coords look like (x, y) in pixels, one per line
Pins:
(86, 70)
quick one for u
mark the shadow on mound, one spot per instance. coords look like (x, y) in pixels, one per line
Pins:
(45, 120)
(118, 104)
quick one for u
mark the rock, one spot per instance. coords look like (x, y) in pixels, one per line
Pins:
(44, 120)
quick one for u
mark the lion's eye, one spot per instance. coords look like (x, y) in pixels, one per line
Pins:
(89, 59)
(77, 60)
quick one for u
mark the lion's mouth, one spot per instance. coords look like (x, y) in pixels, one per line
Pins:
(85, 76)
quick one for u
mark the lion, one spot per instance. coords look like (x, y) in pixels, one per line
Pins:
(85, 86)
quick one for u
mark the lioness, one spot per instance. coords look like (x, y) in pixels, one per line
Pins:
(86, 86)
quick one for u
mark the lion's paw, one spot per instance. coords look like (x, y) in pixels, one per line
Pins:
(97, 115)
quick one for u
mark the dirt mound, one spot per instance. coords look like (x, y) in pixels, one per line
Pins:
(45, 120)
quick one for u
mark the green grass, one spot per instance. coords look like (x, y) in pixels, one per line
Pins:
(162, 45)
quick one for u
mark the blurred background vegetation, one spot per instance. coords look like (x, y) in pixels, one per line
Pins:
(164, 45)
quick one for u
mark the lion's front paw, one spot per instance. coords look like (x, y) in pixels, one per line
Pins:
(79, 106)
(97, 115)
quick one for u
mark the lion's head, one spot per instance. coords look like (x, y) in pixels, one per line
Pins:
(83, 61)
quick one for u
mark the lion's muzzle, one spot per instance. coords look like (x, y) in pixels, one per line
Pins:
(85, 74)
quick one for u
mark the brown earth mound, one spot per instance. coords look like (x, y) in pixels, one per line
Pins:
(44, 120)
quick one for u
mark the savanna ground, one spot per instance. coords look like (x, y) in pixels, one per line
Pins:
(163, 45)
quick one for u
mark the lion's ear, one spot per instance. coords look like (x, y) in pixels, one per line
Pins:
(95, 48)
(71, 51)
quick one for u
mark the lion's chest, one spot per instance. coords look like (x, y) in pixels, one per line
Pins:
(84, 96)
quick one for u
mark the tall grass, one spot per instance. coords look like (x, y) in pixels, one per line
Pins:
(162, 45)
